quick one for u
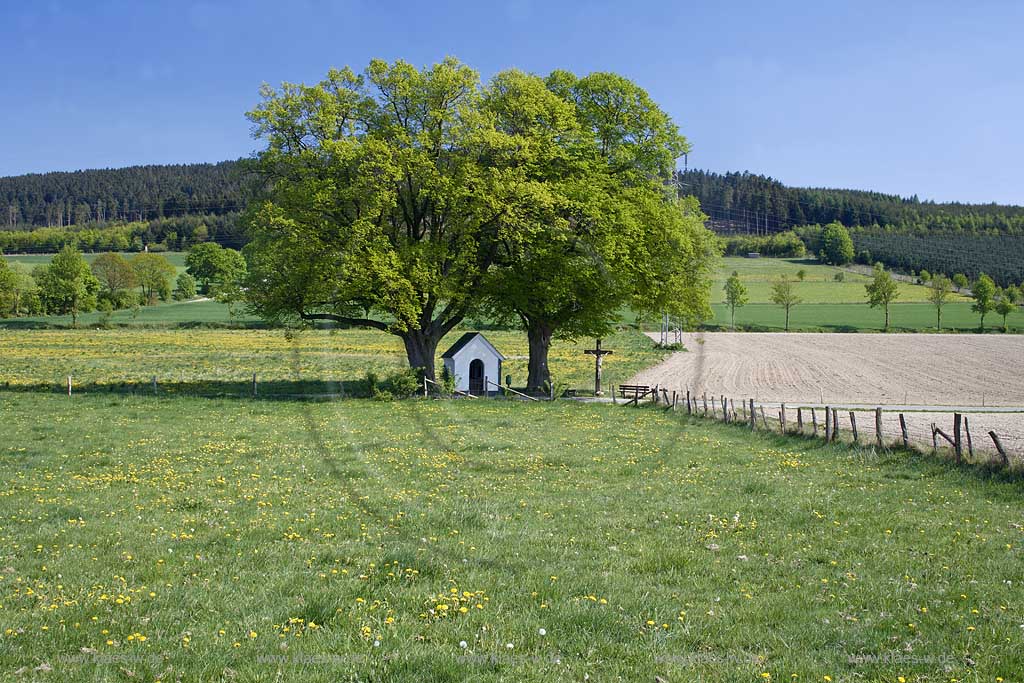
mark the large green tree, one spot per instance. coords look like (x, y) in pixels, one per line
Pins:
(597, 229)
(67, 284)
(383, 200)
(882, 291)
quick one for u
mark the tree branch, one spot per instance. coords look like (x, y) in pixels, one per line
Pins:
(345, 320)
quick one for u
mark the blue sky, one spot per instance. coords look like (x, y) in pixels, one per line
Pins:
(901, 97)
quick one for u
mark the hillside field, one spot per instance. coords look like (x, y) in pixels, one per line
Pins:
(195, 539)
(831, 306)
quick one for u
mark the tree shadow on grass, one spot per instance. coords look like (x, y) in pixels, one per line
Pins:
(271, 390)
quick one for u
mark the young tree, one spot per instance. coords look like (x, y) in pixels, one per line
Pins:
(960, 281)
(154, 273)
(940, 288)
(882, 291)
(735, 295)
(836, 245)
(801, 275)
(784, 295)
(984, 293)
(116, 276)
(213, 266)
(184, 287)
(67, 284)
(1005, 304)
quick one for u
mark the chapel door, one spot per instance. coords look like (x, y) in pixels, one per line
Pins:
(476, 376)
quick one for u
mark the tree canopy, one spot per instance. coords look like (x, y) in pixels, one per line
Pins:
(882, 290)
(402, 198)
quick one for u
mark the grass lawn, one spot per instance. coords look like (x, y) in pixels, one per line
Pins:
(212, 361)
(192, 539)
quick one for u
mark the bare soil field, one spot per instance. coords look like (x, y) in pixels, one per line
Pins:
(839, 369)
(918, 373)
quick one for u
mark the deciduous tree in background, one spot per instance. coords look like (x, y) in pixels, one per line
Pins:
(67, 284)
(1005, 304)
(940, 288)
(184, 287)
(836, 244)
(215, 268)
(984, 292)
(154, 273)
(116, 276)
(882, 291)
(960, 281)
(735, 295)
(784, 295)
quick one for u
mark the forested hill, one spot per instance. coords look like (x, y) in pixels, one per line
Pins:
(735, 201)
(754, 203)
(135, 193)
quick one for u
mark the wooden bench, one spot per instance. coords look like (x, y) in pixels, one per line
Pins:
(634, 391)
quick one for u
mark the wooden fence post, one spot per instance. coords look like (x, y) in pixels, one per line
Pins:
(706, 404)
(999, 447)
(970, 444)
(782, 418)
(689, 408)
(725, 409)
(753, 417)
(69, 385)
(255, 388)
(828, 424)
(935, 439)
(957, 444)
(903, 430)
(764, 420)
(878, 427)
(800, 420)
(835, 424)
(154, 384)
(853, 425)
(814, 421)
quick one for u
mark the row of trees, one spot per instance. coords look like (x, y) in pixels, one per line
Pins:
(160, 234)
(882, 291)
(405, 199)
(70, 285)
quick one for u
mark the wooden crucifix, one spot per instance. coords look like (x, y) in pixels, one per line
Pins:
(598, 353)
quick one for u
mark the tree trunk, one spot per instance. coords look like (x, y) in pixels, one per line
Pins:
(420, 349)
(539, 335)
(886, 318)
(787, 319)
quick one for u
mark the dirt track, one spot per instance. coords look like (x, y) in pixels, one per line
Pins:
(888, 370)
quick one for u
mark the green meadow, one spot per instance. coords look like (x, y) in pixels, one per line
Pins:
(200, 539)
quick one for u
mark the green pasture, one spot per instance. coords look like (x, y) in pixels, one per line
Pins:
(199, 539)
(818, 287)
(860, 317)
